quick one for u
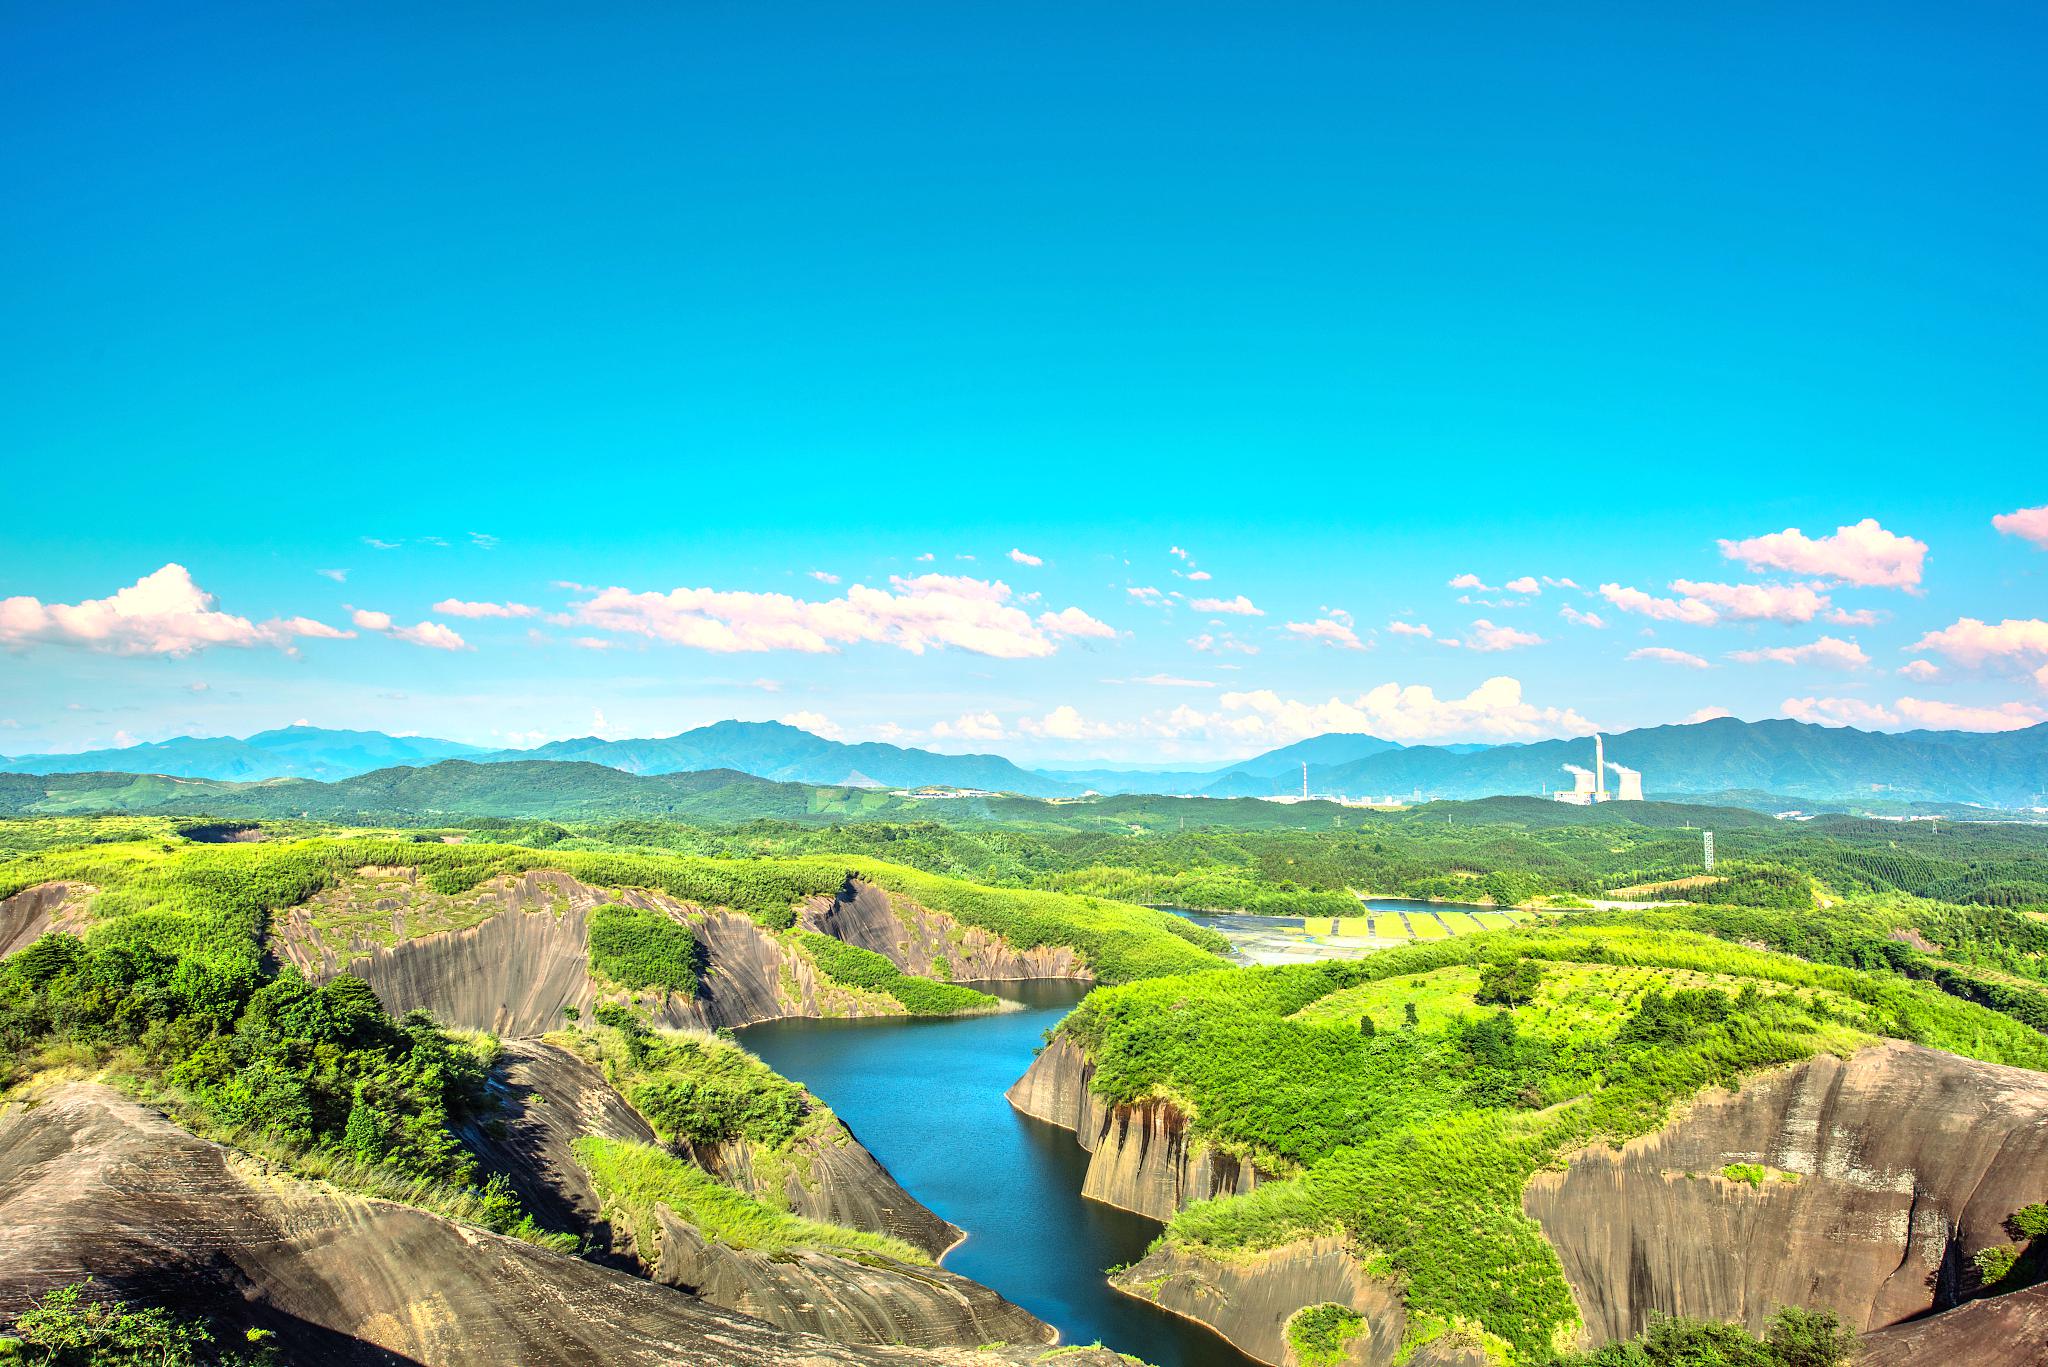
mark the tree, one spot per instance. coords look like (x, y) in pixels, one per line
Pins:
(1508, 984)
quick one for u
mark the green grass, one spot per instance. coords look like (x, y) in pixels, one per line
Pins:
(634, 1180)
(1321, 1334)
(863, 968)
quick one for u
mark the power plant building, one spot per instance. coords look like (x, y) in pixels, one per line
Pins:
(1590, 785)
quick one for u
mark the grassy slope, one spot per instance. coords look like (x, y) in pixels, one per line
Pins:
(1417, 1142)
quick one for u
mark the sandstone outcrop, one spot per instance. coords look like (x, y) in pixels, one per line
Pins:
(1885, 1173)
(1140, 1156)
(1249, 1300)
(916, 938)
(2003, 1331)
(33, 912)
(830, 1176)
(524, 956)
(97, 1186)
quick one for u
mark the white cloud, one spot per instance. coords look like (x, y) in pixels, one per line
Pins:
(1151, 597)
(338, 576)
(2014, 641)
(1239, 606)
(1469, 581)
(1526, 585)
(1221, 643)
(1164, 681)
(2030, 524)
(1946, 716)
(483, 541)
(971, 726)
(1920, 671)
(926, 558)
(1495, 710)
(1582, 619)
(1486, 638)
(374, 544)
(592, 643)
(1830, 651)
(1861, 617)
(1704, 604)
(1411, 629)
(1708, 714)
(1065, 723)
(814, 722)
(1023, 558)
(925, 612)
(455, 607)
(1666, 655)
(1178, 553)
(824, 576)
(1200, 576)
(1863, 553)
(432, 635)
(1560, 583)
(1328, 631)
(1074, 622)
(164, 613)
(1839, 712)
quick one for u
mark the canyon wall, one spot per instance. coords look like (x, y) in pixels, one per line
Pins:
(930, 943)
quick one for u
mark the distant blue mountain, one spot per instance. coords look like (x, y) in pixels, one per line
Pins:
(288, 752)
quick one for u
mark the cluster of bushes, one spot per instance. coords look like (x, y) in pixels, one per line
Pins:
(690, 1089)
(641, 949)
(863, 968)
(1320, 1334)
(68, 1328)
(1794, 1338)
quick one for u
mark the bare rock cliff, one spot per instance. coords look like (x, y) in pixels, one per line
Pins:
(1885, 1172)
(1140, 1157)
(835, 1179)
(526, 957)
(95, 1186)
(915, 938)
(33, 912)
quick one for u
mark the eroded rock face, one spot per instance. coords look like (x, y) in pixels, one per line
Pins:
(916, 939)
(96, 1186)
(527, 957)
(874, 1300)
(34, 912)
(1140, 1157)
(2004, 1331)
(1906, 1160)
(835, 1179)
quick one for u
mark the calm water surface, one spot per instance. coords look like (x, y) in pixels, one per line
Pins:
(926, 1098)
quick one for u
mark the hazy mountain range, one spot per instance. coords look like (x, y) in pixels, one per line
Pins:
(1794, 760)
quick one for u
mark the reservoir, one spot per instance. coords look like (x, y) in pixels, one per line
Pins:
(926, 1098)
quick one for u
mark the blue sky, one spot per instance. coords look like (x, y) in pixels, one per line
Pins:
(1344, 302)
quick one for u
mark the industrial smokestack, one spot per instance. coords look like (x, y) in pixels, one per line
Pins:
(1599, 768)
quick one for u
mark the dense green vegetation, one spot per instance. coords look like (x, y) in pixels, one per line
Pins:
(1416, 1139)
(692, 1089)
(1794, 1338)
(68, 1328)
(1320, 1334)
(865, 969)
(640, 949)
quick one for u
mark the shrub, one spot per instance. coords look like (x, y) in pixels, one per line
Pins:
(1508, 984)
(64, 1329)
(863, 968)
(638, 949)
(1752, 1173)
(1318, 1333)
(1994, 1262)
(2030, 1222)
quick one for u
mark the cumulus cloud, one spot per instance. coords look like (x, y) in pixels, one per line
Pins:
(1705, 603)
(1329, 632)
(971, 726)
(1469, 581)
(1074, 622)
(1065, 723)
(814, 722)
(1024, 558)
(1221, 643)
(164, 613)
(1495, 710)
(1164, 681)
(431, 635)
(1582, 619)
(1239, 606)
(1411, 629)
(1839, 712)
(1200, 576)
(1864, 554)
(1708, 714)
(1861, 617)
(1831, 651)
(920, 613)
(1147, 595)
(824, 576)
(1920, 671)
(1947, 716)
(2030, 524)
(2014, 641)
(1526, 584)
(1666, 655)
(455, 607)
(1487, 638)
